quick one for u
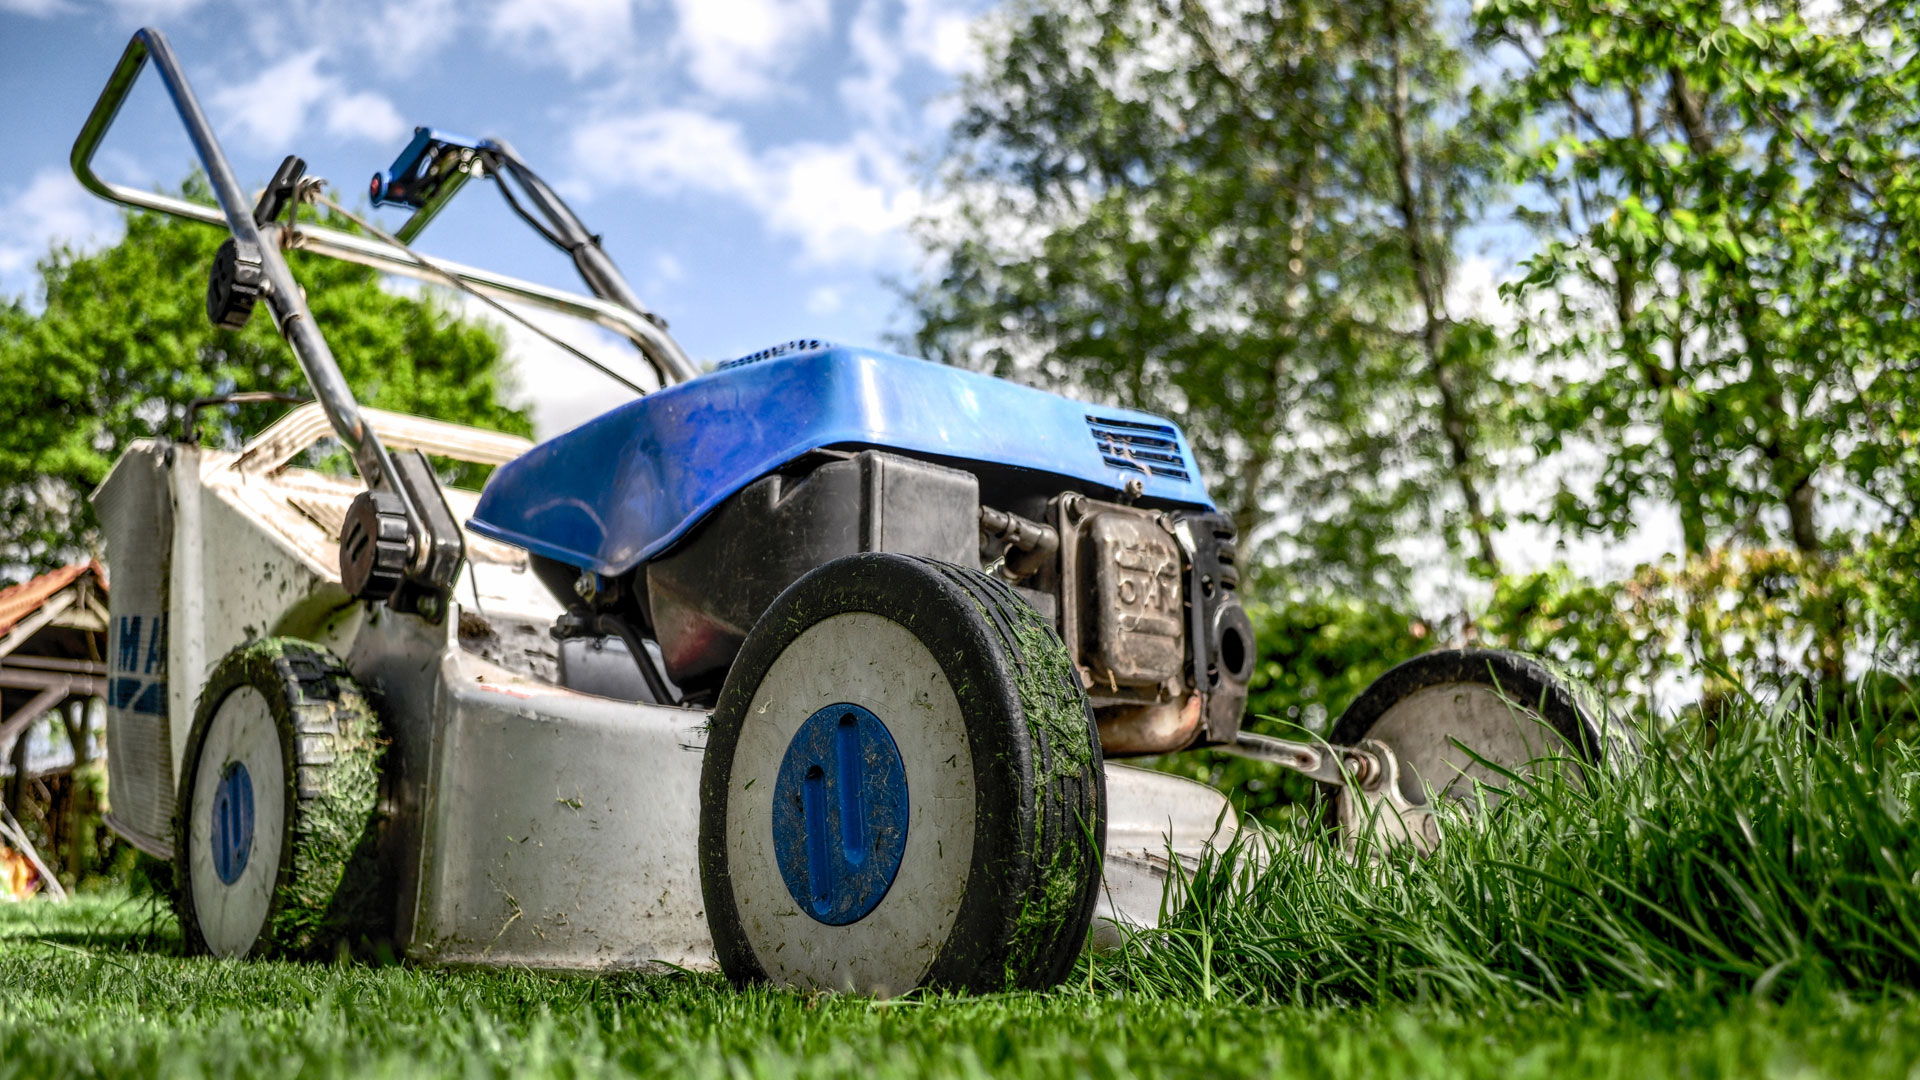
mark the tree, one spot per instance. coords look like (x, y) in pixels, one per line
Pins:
(1247, 220)
(1725, 295)
(123, 345)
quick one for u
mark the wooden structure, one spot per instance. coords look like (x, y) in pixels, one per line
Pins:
(53, 664)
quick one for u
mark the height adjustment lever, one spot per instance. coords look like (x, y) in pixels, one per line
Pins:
(234, 284)
(237, 279)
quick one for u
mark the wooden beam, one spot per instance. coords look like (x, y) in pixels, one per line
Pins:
(13, 726)
(82, 617)
(12, 833)
(57, 663)
(29, 626)
(14, 678)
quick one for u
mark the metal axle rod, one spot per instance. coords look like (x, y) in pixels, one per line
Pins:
(1337, 765)
(1372, 802)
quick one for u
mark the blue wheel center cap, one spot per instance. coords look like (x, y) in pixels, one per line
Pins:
(232, 825)
(840, 814)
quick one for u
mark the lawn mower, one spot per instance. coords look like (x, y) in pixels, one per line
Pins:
(810, 666)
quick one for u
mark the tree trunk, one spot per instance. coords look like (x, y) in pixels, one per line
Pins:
(1778, 439)
(1427, 279)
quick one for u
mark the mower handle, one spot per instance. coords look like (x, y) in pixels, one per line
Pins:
(281, 293)
(670, 363)
(434, 545)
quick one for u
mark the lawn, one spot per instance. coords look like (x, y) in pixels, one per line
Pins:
(93, 988)
(1748, 912)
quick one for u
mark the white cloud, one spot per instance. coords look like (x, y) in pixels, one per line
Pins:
(870, 93)
(740, 48)
(933, 31)
(365, 115)
(825, 300)
(409, 31)
(578, 35)
(272, 109)
(885, 35)
(667, 151)
(845, 203)
(125, 10)
(51, 208)
(144, 11)
(35, 9)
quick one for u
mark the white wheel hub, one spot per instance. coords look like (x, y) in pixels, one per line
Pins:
(873, 668)
(238, 824)
(1433, 729)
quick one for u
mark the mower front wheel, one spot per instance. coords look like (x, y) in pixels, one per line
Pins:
(275, 838)
(1464, 723)
(902, 788)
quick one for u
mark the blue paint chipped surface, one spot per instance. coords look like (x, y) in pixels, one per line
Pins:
(840, 814)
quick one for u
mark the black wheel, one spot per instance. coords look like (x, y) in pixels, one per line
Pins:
(902, 788)
(1458, 716)
(275, 838)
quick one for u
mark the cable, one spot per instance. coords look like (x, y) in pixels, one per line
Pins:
(506, 189)
(607, 622)
(422, 261)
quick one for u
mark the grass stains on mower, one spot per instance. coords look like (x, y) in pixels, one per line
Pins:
(838, 645)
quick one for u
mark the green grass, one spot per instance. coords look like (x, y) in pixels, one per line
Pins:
(86, 990)
(1748, 912)
(1776, 863)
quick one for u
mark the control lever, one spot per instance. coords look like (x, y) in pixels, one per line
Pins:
(237, 279)
(280, 190)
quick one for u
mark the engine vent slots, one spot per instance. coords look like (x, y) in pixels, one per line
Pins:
(784, 349)
(1153, 449)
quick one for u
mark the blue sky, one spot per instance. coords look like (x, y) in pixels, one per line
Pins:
(750, 163)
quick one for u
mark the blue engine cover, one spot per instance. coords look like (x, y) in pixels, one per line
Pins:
(619, 489)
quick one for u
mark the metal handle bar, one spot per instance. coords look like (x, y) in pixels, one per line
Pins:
(661, 351)
(602, 276)
(282, 294)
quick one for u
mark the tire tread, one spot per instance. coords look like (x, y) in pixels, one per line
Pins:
(328, 893)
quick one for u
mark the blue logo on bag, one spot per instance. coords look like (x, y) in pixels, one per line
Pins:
(139, 678)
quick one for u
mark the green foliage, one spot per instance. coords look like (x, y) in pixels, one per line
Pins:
(1766, 610)
(123, 345)
(1233, 218)
(1726, 199)
(1318, 652)
(1619, 636)
(1246, 217)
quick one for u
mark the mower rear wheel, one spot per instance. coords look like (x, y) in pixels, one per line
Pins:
(274, 842)
(1458, 718)
(902, 788)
